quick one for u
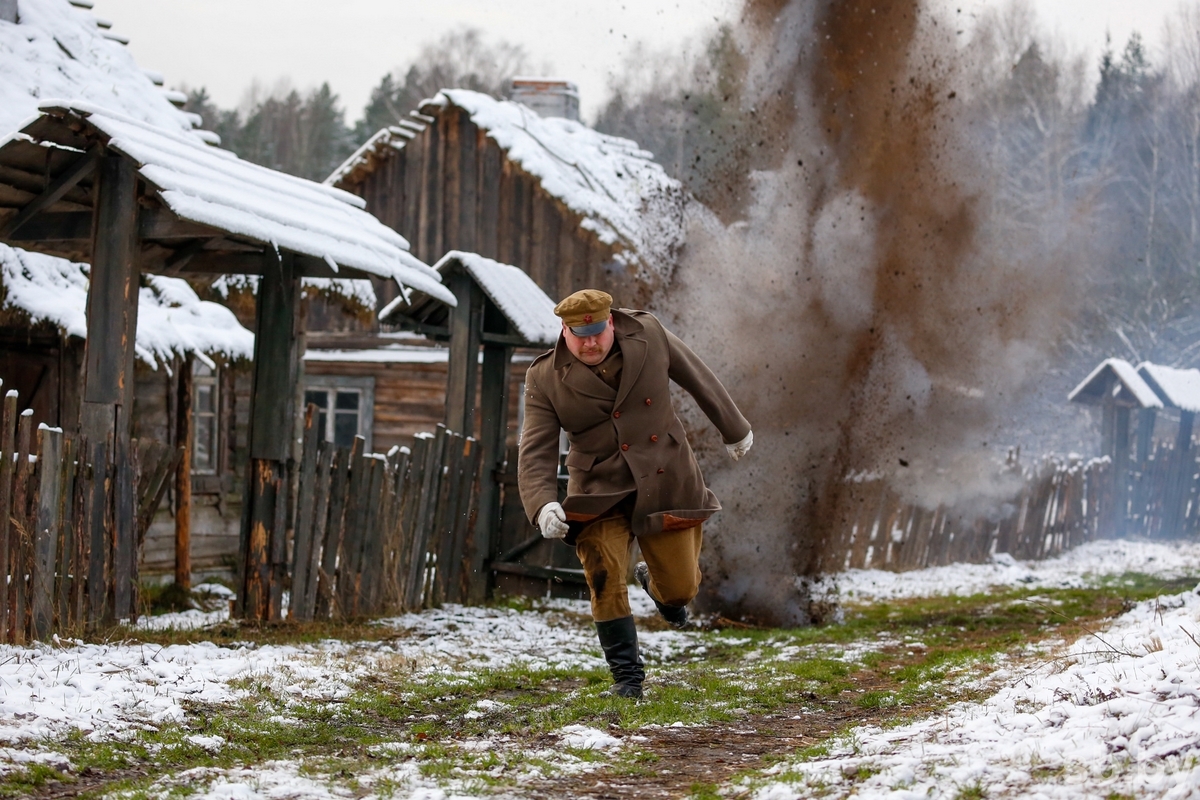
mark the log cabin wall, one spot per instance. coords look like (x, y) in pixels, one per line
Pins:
(410, 397)
(45, 369)
(451, 187)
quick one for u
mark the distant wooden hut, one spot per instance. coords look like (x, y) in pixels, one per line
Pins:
(572, 207)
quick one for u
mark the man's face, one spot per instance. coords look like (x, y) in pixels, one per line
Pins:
(591, 350)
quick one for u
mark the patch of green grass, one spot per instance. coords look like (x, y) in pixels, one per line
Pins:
(21, 781)
(974, 791)
(704, 791)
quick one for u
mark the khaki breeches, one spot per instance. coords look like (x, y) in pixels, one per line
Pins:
(672, 556)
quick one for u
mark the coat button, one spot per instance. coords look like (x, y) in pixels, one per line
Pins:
(616, 415)
(661, 471)
(624, 447)
(647, 401)
(654, 438)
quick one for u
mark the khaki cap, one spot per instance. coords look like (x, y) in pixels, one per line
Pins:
(585, 311)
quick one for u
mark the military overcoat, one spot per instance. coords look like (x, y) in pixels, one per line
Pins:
(624, 440)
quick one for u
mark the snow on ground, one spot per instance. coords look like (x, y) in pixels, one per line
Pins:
(1114, 713)
(1117, 714)
(1078, 567)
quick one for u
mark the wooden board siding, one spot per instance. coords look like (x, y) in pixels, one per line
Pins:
(214, 541)
(411, 398)
(453, 188)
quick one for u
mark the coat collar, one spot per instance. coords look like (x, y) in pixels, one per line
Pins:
(629, 334)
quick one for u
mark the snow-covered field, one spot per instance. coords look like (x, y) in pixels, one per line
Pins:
(1114, 714)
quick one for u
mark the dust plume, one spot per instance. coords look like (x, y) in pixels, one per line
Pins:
(866, 316)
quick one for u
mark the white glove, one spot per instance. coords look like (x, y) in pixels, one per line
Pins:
(739, 449)
(552, 521)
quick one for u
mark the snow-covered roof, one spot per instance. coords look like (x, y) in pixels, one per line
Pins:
(1178, 388)
(59, 51)
(214, 187)
(1128, 382)
(623, 195)
(522, 301)
(527, 308)
(172, 320)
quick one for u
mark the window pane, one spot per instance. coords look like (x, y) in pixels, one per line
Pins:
(345, 428)
(347, 401)
(200, 368)
(205, 399)
(204, 451)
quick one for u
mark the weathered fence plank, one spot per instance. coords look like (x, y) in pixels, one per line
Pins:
(8, 421)
(45, 532)
(339, 477)
(306, 500)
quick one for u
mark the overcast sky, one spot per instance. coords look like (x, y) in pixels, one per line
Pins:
(226, 44)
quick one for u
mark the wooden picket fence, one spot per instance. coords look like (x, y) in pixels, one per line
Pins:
(1061, 504)
(378, 533)
(70, 565)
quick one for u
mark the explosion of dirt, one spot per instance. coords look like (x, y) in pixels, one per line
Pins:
(862, 314)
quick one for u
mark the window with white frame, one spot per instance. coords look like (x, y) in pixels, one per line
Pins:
(206, 430)
(345, 407)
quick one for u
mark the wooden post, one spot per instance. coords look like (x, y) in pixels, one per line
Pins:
(410, 493)
(45, 532)
(1180, 478)
(8, 459)
(350, 558)
(465, 330)
(339, 476)
(1108, 421)
(112, 307)
(303, 546)
(426, 503)
(323, 492)
(272, 413)
(21, 555)
(97, 523)
(1121, 469)
(1145, 433)
(65, 533)
(183, 477)
(493, 440)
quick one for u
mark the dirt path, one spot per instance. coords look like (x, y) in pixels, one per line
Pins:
(711, 754)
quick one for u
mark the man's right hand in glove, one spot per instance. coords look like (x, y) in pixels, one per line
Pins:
(552, 521)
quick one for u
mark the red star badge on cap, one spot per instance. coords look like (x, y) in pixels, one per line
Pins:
(587, 317)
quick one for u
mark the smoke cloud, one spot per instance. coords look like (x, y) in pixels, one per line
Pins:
(865, 313)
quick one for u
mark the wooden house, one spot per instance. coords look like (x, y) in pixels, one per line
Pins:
(572, 207)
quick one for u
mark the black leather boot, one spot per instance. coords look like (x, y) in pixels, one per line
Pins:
(676, 616)
(618, 640)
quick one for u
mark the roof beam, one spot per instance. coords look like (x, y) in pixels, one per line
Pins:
(72, 175)
(153, 223)
(56, 226)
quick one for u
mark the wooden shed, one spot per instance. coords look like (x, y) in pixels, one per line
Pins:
(572, 207)
(130, 198)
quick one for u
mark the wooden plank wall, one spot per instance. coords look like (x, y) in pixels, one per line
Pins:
(411, 397)
(453, 188)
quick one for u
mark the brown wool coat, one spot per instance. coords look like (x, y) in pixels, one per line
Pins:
(622, 441)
